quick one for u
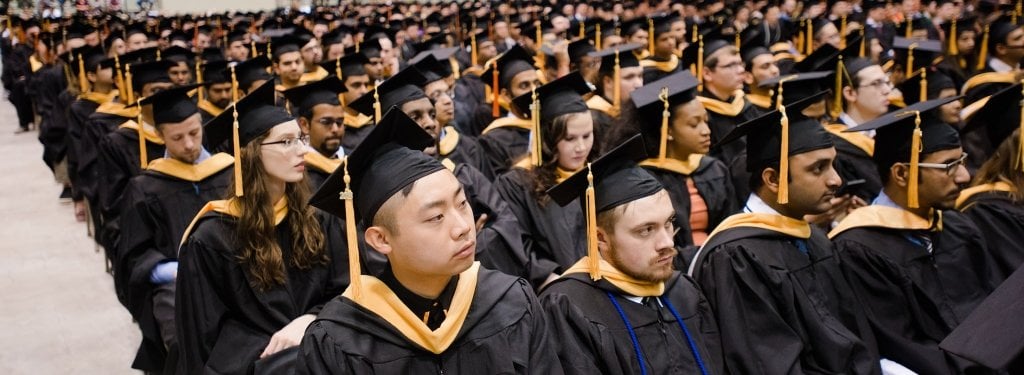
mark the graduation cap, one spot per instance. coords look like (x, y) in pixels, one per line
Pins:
(995, 34)
(252, 70)
(177, 54)
(324, 91)
(926, 83)
(999, 117)
(211, 54)
(172, 105)
(136, 28)
(579, 49)
(559, 97)
(612, 61)
(432, 69)
(654, 101)
(797, 87)
(390, 159)
(346, 66)
(902, 136)
(611, 181)
(78, 30)
(753, 43)
(503, 69)
(215, 72)
(403, 87)
(246, 119)
(370, 48)
(766, 134)
(432, 42)
(285, 44)
(914, 55)
(952, 29)
(139, 74)
(908, 26)
(237, 35)
(695, 54)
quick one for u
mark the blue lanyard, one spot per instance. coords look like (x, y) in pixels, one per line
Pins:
(636, 343)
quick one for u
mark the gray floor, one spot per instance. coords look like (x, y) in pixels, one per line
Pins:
(58, 312)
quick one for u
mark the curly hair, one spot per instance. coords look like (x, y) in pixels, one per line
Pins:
(546, 176)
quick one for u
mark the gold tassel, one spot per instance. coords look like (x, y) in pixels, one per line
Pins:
(236, 143)
(495, 90)
(693, 36)
(842, 32)
(376, 105)
(983, 51)
(837, 104)
(923, 96)
(143, 153)
(252, 48)
(617, 87)
(953, 49)
(120, 79)
(540, 41)
(650, 36)
(915, 157)
(271, 55)
(593, 256)
(199, 79)
(128, 79)
(910, 27)
(663, 141)
(783, 197)
(597, 37)
(455, 67)
(583, 30)
(337, 68)
(536, 148)
(83, 82)
(472, 48)
(863, 43)
(809, 44)
(700, 63)
(354, 271)
(910, 59)
(736, 40)
(158, 55)
(799, 38)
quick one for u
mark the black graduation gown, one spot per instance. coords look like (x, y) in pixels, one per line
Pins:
(713, 184)
(16, 71)
(592, 338)
(119, 162)
(781, 311)
(655, 69)
(505, 332)
(464, 150)
(554, 237)
(504, 146)
(78, 116)
(157, 209)
(469, 94)
(855, 163)
(912, 298)
(223, 323)
(499, 243)
(1003, 220)
(51, 103)
(94, 132)
(722, 119)
(356, 130)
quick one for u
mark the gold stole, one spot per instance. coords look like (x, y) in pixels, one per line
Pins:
(620, 280)
(98, 97)
(773, 222)
(984, 188)
(118, 109)
(665, 66)
(730, 109)
(316, 75)
(357, 121)
(148, 132)
(209, 107)
(863, 142)
(598, 103)
(382, 301)
(320, 162)
(449, 141)
(192, 172)
(503, 122)
(762, 101)
(683, 167)
(230, 208)
(876, 216)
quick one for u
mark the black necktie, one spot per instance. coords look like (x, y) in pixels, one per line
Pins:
(435, 316)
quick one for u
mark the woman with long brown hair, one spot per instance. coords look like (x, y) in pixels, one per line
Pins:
(255, 269)
(553, 236)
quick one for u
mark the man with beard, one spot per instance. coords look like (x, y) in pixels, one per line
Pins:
(351, 70)
(920, 265)
(663, 60)
(627, 280)
(768, 268)
(504, 140)
(181, 74)
(320, 116)
(498, 236)
(217, 82)
(158, 205)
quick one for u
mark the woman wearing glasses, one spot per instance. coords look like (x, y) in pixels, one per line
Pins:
(255, 269)
(919, 265)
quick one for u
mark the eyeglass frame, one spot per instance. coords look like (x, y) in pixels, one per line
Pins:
(950, 167)
(290, 142)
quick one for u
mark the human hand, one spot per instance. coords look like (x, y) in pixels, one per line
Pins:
(288, 336)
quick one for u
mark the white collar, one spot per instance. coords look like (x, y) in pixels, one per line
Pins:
(999, 66)
(845, 119)
(757, 206)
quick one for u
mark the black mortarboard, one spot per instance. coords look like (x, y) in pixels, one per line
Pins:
(953, 29)
(992, 334)
(691, 55)
(663, 23)
(403, 87)
(387, 161)
(896, 131)
(679, 88)
(178, 35)
(561, 96)
(215, 72)
(999, 116)
(797, 87)
(432, 42)
(150, 72)
(514, 61)
(172, 105)
(626, 58)
(431, 69)
(349, 65)
(934, 81)
(256, 116)
(370, 48)
(135, 28)
(237, 36)
(764, 140)
(324, 91)
(916, 23)
(442, 55)
(284, 44)
(615, 179)
(252, 70)
(913, 55)
(177, 54)
(579, 49)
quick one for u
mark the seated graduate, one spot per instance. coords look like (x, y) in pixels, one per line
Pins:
(994, 200)
(256, 269)
(619, 75)
(500, 243)
(918, 266)
(506, 138)
(434, 309)
(623, 309)
(217, 87)
(351, 70)
(322, 118)
(563, 141)
(158, 205)
(674, 125)
(774, 280)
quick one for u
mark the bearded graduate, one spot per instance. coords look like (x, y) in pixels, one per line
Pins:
(623, 309)
(256, 269)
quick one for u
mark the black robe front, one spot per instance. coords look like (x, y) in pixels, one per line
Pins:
(505, 332)
(1003, 220)
(781, 311)
(914, 298)
(78, 116)
(49, 86)
(853, 162)
(157, 209)
(499, 243)
(119, 162)
(464, 150)
(554, 237)
(723, 117)
(713, 184)
(223, 322)
(592, 338)
(503, 147)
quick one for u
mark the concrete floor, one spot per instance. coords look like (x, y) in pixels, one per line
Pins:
(58, 312)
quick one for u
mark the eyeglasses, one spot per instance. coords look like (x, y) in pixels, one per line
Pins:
(950, 168)
(878, 84)
(733, 65)
(290, 142)
(436, 95)
(329, 122)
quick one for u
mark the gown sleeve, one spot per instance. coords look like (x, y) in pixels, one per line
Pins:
(517, 197)
(499, 242)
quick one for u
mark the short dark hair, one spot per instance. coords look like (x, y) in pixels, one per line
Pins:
(385, 216)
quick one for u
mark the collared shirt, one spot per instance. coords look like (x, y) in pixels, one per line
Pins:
(1000, 66)
(845, 119)
(921, 239)
(756, 205)
(203, 155)
(883, 200)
